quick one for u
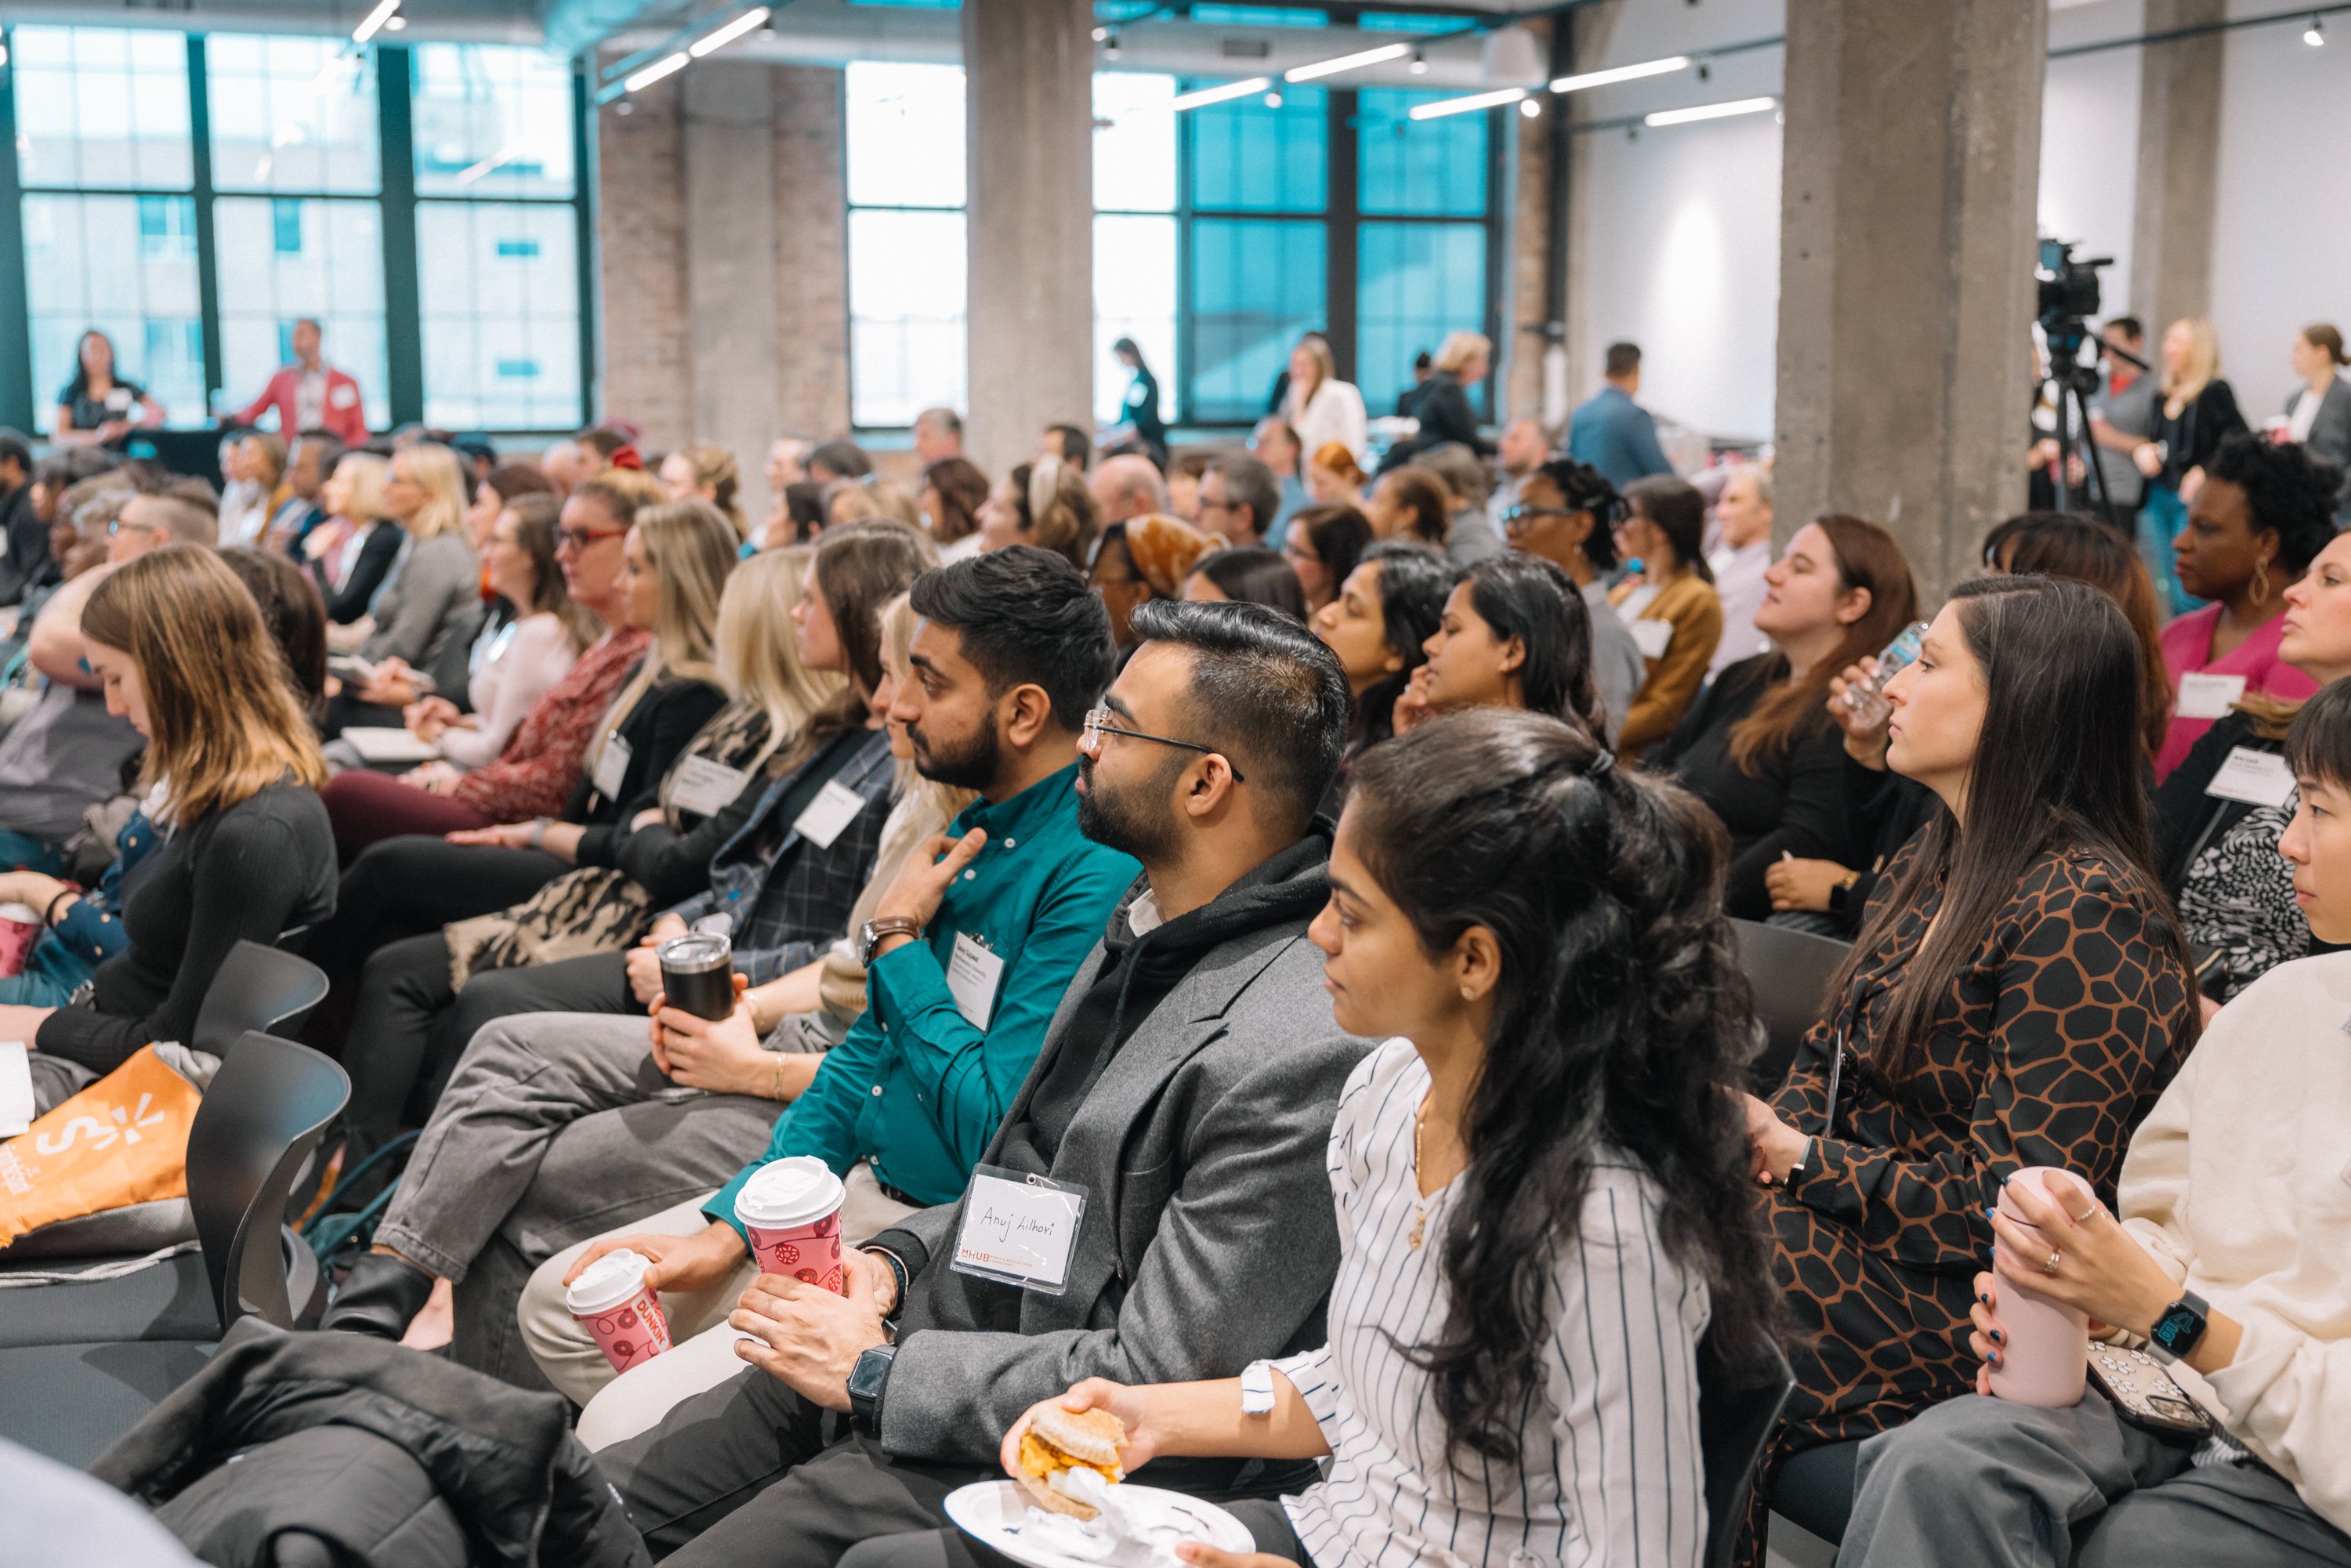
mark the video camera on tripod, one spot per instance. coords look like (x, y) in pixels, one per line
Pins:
(2068, 297)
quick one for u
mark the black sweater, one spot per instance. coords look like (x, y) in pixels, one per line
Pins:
(2192, 438)
(1793, 803)
(262, 867)
(656, 730)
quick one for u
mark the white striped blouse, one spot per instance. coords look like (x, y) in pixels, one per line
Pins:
(1609, 1469)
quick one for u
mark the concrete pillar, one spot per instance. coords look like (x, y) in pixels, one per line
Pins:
(811, 257)
(1029, 73)
(2178, 165)
(731, 264)
(1910, 164)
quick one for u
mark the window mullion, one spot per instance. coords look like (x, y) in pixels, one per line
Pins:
(200, 152)
(403, 326)
(18, 400)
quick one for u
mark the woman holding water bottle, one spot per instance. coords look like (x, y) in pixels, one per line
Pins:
(2226, 1255)
(1758, 746)
(2018, 997)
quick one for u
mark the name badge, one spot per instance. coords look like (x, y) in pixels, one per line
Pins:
(1654, 637)
(118, 400)
(2259, 777)
(611, 766)
(343, 397)
(704, 787)
(835, 807)
(2208, 696)
(1019, 1230)
(16, 1109)
(972, 973)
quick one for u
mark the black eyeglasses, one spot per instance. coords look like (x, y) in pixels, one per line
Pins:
(1513, 517)
(1098, 724)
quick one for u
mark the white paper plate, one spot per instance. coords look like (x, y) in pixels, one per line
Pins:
(995, 1514)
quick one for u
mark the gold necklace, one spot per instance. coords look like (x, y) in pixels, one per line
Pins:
(1419, 1204)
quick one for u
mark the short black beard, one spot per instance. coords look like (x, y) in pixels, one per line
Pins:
(973, 767)
(1133, 821)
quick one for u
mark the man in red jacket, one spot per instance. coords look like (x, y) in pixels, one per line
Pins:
(310, 394)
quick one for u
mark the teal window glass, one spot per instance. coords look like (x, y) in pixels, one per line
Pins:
(1414, 283)
(1418, 168)
(1248, 157)
(1260, 15)
(500, 287)
(1257, 284)
(125, 266)
(1408, 22)
(291, 114)
(105, 108)
(491, 121)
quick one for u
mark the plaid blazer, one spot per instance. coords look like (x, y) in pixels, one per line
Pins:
(790, 895)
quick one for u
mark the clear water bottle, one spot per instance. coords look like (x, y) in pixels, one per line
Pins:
(1865, 699)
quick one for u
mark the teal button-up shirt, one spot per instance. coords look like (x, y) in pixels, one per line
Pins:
(917, 1086)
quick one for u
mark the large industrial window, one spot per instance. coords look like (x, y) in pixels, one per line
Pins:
(193, 196)
(905, 165)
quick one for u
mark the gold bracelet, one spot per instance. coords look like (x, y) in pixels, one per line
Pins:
(776, 1081)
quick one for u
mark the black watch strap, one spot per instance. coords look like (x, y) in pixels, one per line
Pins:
(867, 1380)
(2182, 1324)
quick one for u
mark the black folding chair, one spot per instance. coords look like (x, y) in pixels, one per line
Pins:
(1789, 972)
(82, 1360)
(1815, 1491)
(257, 987)
(1738, 1406)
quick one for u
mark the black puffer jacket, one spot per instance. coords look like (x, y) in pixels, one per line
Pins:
(503, 1461)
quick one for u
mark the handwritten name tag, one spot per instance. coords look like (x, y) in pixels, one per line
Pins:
(706, 787)
(612, 768)
(1019, 1230)
(2259, 777)
(973, 972)
(2208, 696)
(835, 807)
(1651, 637)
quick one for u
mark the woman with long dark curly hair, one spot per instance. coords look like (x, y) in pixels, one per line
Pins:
(1541, 1180)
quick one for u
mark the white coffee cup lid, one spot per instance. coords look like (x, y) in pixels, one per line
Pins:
(22, 914)
(607, 1282)
(795, 1190)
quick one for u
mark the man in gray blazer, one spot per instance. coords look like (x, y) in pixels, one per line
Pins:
(1187, 1087)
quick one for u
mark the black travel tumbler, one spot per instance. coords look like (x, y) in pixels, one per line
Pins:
(698, 974)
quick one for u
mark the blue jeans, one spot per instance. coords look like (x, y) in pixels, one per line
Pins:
(52, 975)
(22, 851)
(2161, 519)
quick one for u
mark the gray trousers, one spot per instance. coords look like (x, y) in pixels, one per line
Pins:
(555, 1128)
(1987, 1484)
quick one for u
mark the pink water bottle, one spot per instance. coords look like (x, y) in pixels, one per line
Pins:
(2045, 1360)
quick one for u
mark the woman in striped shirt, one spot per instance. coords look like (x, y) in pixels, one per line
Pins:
(1540, 1183)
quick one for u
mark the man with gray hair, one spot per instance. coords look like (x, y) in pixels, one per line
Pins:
(1125, 487)
(938, 436)
(1239, 499)
(1742, 515)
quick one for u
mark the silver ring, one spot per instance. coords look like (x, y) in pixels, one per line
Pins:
(2051, 1267)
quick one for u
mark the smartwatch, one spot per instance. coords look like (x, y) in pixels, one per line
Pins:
(2176, 1331)
(867, 1378)
(870, 935)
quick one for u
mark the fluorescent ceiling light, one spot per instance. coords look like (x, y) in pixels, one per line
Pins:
(375, 20)
(1620, 73)
(667, 66)
(1354, 62)
(1475, 101)
(1711, 111)
(712, 42)
(1230, 90)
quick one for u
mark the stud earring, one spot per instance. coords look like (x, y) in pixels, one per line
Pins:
(1468, 992)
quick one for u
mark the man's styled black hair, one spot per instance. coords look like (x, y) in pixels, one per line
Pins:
(1265, 690)
(1027, 617)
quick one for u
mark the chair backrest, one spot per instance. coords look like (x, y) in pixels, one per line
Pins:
(1737, 1409)
(260, 1119)
(1789, 973)
(257, 987)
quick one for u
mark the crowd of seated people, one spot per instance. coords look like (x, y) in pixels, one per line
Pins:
(1340, 888)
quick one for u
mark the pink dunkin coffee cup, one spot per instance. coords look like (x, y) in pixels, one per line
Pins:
(612, 1300)
(20, 927)
(2045, 1361)
(791, 1208)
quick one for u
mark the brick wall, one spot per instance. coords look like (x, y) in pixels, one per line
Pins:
(643, 241)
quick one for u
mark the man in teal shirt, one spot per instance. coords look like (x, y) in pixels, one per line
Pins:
(974, 943)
